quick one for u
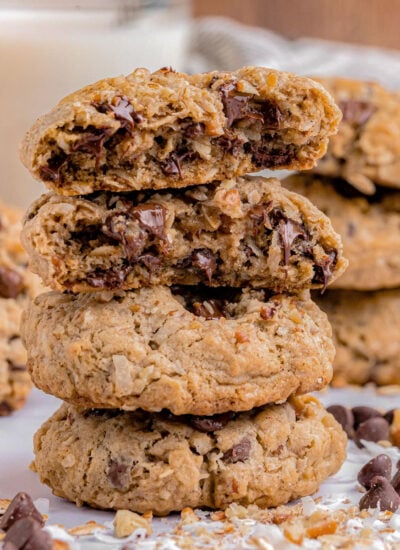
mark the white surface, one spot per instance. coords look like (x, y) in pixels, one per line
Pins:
(16, 434)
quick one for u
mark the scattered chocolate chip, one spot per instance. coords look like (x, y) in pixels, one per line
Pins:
(209, 309)
(259, 215)
(110, 278)
(11, 283)
(27, 534)
(52, 170)
(272, 115)
(133, 239)
(5, 408)
(20, 507)
(230, 144)
(380, 465)
(289, 230)
(374, 429)
(210, 423)
(171, 166)
(356, 112)
(264, 157)
(324, 268)
(92, 143)
(237, 107)
(204, 260)
(344, 416)
(239, 452)
(119, 473)
(192, 130)
(381, 495)
(388, 416)
(396, 481)
(123, 112)
(151, 262)
(362, 413)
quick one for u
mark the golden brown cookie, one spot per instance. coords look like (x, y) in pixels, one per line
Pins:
(169, 129)
(191, 350)
(160, 463)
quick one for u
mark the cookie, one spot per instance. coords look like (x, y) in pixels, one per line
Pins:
(366, 150)
(169, 129)
(17, 286)
(160, 463)
(189, 350)
(366, 334)
(240, 232)
(369, 227)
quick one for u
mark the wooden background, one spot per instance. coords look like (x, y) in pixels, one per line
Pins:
(374, 22)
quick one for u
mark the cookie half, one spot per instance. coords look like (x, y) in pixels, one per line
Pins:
(17, 287)
(169, 129)
(154, 462)
(369, 227)
(366, 150)
(366, 334)
(192, 351)
(248, 231)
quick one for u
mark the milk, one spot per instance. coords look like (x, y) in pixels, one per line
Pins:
(46, 54)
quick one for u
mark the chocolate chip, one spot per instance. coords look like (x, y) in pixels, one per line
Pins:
(5, 408)
(193, 130)
(110, 278)
(123, 111)
(272, 115)
(231, 145)
(209, 309)
(388, 416)
(237, 107)
(323, 269)
(20, 507)
(171, 166)
(381, 494)
(204, 260)
(380, 465)
(11, 283)
(52, 170)
(27, 534)
(396, 481)
(119, 473)
(289, 230)
(259, 215)
(92, 143)
(151, 262)
(210, 423)
(374, 429)
(344, 416)
(356, 112)
(239, 452)
(151, 217)
(362, 413)
(132, 238)
(264, 157)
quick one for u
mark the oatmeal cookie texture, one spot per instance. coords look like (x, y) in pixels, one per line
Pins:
(366, 149)
(248, 231)
(169, 129)
(369, 227)
(145, 461)
(190, 350)
(17, 287)
(366, 335)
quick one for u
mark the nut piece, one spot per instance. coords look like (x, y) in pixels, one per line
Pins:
(126, 522)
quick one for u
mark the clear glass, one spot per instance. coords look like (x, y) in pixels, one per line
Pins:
(51, 48)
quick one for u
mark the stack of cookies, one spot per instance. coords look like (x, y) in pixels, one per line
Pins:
(357, 185)
(181, 330)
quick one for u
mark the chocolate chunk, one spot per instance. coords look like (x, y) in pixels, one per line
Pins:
(324, 268)
(396, 481)
(151, 217)
(133, 239)
(374, 429)
(171, 166)
(381, 495)
(27, 534)
(5, 408)
(11, 283)
(123, 112)
(264, 157)
(230, 144)
(272, 115)
(92, 143)
(388, 416)
(119, 473)
(239, 452)
(210, 423)
(209, 309)
(362, 413)
(356, 112)
(192, 130)
(151, 262)
(259, 215)
(267, 312)
(344, 416)
(20, 507)
(109, 278)
(380, 465)
(52, 170)
(205, 261)
(237, 107)
(289, 230)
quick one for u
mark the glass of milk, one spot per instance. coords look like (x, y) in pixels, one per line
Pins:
(51, 48)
